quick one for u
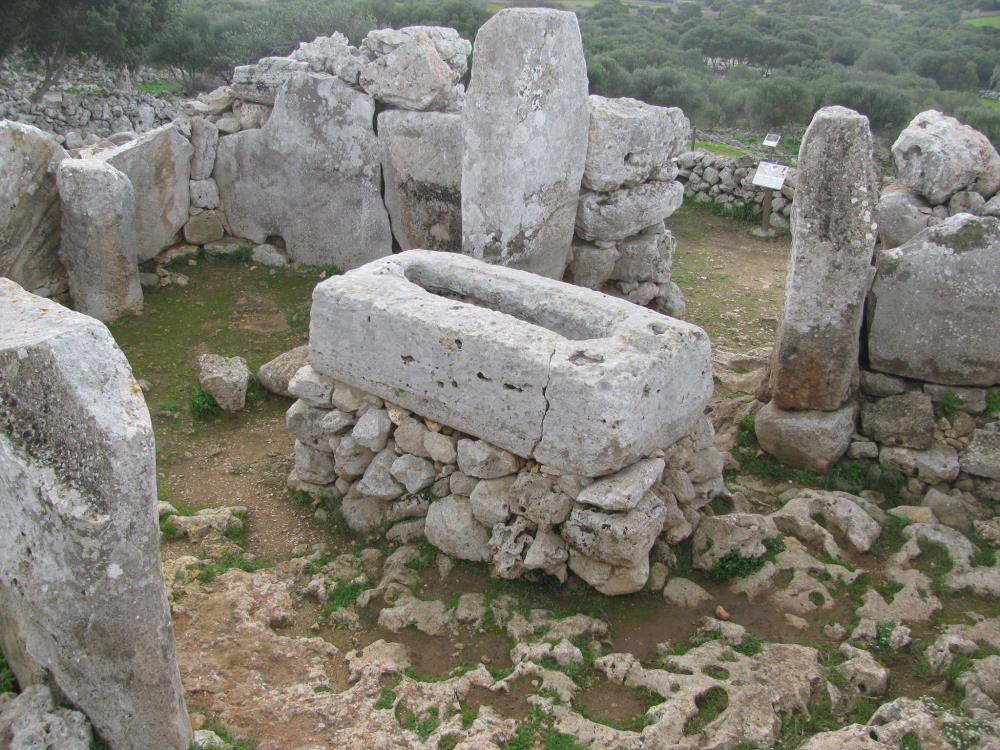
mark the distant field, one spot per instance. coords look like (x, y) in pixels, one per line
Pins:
(718, 148)
(992, 22)
(989, 102)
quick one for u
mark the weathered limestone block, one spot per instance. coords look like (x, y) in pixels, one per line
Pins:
(583, 382)
(422, 171)
(99, 238)
(262, 81)
(159, 166)
(204, 194)
(626, 212)
(450, 46)
(205, 142)
(646, 257)
(631, 142)
(277, 374)
(204, 227)
(311, 175)
(225, 379)
(82, 603)
(410, 76)
(741, 533)
(937, 156)
(31, 719)
(805, 439)
(525, 125)
(935, 303)
(29, 209)
(906, 420)
(331, 54)
(591, 265)
(901, 216)
(452, 528)
(816, 350)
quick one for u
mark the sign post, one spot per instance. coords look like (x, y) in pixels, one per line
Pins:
(770, 175)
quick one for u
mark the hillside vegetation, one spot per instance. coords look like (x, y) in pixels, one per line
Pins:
(728, 63)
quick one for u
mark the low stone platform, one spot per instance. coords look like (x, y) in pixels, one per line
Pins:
(570, 377)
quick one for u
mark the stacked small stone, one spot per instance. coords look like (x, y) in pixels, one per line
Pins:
(629, 188)
(394, 470)
(728, 181)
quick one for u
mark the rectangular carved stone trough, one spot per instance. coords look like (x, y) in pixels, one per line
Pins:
(570, 377)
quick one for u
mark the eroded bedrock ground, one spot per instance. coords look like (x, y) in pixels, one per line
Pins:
(817, 611)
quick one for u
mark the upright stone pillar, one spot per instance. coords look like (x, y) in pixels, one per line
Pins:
(829, 271)
(808, 422)
(82, 602)
(99, 238)
(526, 121)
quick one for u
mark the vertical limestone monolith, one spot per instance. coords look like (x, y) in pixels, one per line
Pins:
(525, 126)
(83, 607)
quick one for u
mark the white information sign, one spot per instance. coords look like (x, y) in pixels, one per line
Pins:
(771, 139)
(770, 174)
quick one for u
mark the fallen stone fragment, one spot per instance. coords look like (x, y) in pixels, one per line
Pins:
(225, 379)
(277, 374)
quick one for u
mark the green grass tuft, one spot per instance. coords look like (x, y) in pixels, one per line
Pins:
(344, 594)
(229, 561)
(203, 403)
(8, 683)
(386, 699)
(734, 565)
(710, 705)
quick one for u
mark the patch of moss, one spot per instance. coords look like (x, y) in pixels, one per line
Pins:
(735, 565)
(710, 704)
(229, 561)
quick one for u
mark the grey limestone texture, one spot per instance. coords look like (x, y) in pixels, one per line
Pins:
(158, 164)
(311, 175)
(83, 607)
(573, 378)
(833, 236)
(525, 130)
(29, 208)
(935, 303)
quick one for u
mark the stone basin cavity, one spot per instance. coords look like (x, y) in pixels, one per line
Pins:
(570, 377)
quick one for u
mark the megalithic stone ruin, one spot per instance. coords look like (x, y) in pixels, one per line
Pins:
(815, 356)
(526, 122)
(82, 601)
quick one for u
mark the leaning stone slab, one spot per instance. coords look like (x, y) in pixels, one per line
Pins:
(573, 378)
(82, 603)
(631, 142)
(310, 175)
(29, 209)
(422, 171)
(261, 82)
(159, 166)
(816, 350)
(805, 439)
(410, 76)
(525, 125)
(935, 303)
(99, 238)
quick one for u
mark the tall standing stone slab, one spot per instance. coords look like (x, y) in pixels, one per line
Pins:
(934, 308)
(159, 166)
(99, 238)
(29, 209)
(82, 602)
(311, 175)
(833, 237)
(526, 121)
(422, 170)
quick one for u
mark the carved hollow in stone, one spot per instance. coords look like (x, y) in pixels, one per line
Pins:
(575, 379)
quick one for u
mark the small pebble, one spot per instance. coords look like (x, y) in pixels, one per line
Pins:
(721, 613)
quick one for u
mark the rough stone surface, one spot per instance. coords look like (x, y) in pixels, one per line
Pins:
(311, 175)
(205, 142)
(982, 457)
(937, 156)
(452, 528)
(626, 211)
(630, 142)
(618, 539)
(624, 490)
(646, 257)
(422, 170)
(525, 140)
(204, 228)
(78, 500)
(805, 439)
(935, 302)
(591, 265)
(225, 378)
(159, 166)
(901, 216)
(99, 241)
(410, 76)
(477, 458)
(577, 380)
(29, 209)
(816, 349)
(906, 420)
(261, 82)
(492, 500)
(31, 721)
(741, 533)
